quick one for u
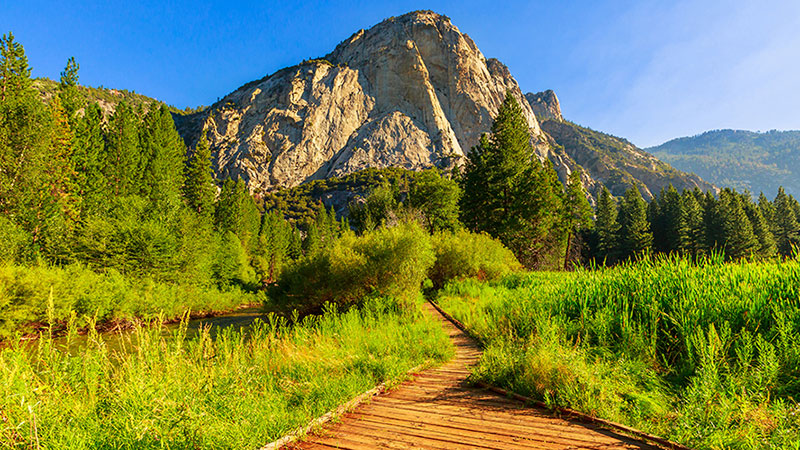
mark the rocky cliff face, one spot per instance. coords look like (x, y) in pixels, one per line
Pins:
(545, 105)
(412, 92)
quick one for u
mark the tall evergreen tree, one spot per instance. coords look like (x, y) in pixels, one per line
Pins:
(767, 211)
(508, 193)
(88, 159)
(71, 98)
(162, 153)
(275, 241)
(674, 228)
(577, 215)
(27, 180)
(693, 239)
(122, 158)
(785, 222)
(607, 227)
(766, 241)
(635, 234)
(738, 239)
(236, 212)
(199, 188)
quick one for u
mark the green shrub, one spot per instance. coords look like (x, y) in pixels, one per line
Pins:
(463, 254)
(385, 262)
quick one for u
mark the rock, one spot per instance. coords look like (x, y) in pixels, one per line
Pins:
(545, 105)
(412, 91)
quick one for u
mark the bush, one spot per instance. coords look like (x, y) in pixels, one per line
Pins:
(389, 262)
(463, 254)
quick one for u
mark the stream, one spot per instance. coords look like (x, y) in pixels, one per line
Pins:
(119, 340)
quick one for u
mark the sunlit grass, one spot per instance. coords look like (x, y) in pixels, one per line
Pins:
(707, 354)
(241, 389)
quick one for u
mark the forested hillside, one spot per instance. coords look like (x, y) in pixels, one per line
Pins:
(743, 160)
(102, 201)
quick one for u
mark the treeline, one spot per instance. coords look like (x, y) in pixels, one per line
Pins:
(694, 223)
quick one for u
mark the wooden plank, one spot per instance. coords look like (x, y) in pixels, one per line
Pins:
(537, 437)
(438, 438)
(440, 409)
(496, 427)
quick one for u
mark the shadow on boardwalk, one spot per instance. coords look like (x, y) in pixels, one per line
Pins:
(438, 409)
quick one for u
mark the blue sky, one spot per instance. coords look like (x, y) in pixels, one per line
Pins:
(645, 70)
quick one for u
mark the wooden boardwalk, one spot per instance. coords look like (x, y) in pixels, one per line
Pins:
(438, 409)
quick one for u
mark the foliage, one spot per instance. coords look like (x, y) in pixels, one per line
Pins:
(384, 262)
(508, 193)
(704, 353)
(463, 254)
(693, 223)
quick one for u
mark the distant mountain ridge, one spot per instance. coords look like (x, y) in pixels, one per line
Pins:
(744, 160)
(611, 161)
(412, 91)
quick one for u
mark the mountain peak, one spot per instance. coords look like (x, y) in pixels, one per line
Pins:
(545, 105)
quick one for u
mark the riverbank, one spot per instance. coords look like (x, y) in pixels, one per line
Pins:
(47, 298)
(240, 389)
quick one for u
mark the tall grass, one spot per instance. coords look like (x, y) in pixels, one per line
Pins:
(238, 390)
(26, 291)
(707, 354)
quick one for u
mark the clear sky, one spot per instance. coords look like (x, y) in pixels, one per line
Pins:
(645, 70)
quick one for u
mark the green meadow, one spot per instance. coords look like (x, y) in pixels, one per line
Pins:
(706, 354)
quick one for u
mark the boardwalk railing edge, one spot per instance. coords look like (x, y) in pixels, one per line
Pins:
(333, 414)
(561, 410)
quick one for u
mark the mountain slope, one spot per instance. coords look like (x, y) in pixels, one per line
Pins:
(106, 98)
(759, 162)
(610, 161)
(411, 92)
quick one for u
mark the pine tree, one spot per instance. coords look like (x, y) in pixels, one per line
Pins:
(657, 225)
(275, 240)
(766, 241)
(607, 227)
(713, 221)
(236, 212)
(673, 228)
(787, 228)
(693, 240)
(122, 160)
(767, 211)
(635, 234)
(738, 239)
(508, 193)
(59, 168)
(87, 159)
(577, 217)
(71, 97)
(27, 182)
(162, 153)
(199, 188)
